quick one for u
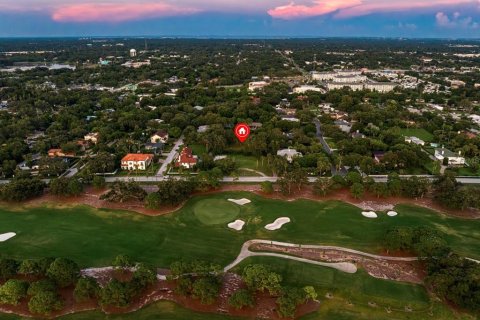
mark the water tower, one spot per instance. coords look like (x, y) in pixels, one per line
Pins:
(133, 53)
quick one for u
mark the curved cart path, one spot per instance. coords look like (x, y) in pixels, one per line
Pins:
(246, 253)
(341, 266)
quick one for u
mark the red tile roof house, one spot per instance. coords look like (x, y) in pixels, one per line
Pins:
(186, 159)
(54, 153)
(136, 161)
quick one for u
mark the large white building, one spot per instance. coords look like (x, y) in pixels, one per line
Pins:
(341, 85)
(304, 89)
(323, 76)
(257, 85)
(380, 86)
(356, 86)
(350, 78)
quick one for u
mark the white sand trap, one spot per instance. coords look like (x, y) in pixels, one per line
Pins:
(392, 213)
(369, 214)
(6, 236)
(236, 225)
(240, 202)
(277, 224)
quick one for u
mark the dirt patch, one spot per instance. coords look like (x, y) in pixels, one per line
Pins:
(404, 271)
(91, 197)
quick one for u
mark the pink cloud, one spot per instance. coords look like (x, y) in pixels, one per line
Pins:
(318, 8)
(116, 12)
(351, 8)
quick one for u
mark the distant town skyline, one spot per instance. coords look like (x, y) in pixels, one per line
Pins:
(270, 18)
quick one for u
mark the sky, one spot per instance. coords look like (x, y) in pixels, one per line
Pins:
(241, 18)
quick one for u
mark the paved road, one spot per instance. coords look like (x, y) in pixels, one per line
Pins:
(376, 178)
(343, 171)
(295, 65)
(320, 137)
(170, 157)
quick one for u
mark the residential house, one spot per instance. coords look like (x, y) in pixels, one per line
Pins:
(415, 140)
(159, 136)
(58, 153)
(136, 161)
(343, 125)
(289, 154)
(378, 156)
(92, 137)
(255, 126)
(357, 135)
(186, 159)
(203, 129)
(156, 147)
(290, 118)
(453, 158)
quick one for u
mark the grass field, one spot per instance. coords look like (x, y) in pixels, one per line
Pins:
(419, 133)
(94, 237)
(216, 211)
(251, 162)
(198, 230)
(353, 292)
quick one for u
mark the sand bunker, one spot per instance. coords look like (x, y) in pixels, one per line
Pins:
(369, 214)
(240, 202)
(277, 224)
(6, 236)
(236, 225)
(392, 213)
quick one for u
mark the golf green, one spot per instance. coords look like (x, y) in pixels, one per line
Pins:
(216, 211)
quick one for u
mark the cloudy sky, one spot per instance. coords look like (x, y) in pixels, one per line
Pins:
(394, 18)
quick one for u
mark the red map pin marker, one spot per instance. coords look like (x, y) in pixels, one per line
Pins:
(242, 131)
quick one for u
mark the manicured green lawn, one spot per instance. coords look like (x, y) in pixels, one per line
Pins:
(465, 172)
(419, 133)
(94, 237)
(251, 162)
(198, 149)
(216, 211)
(358, 288)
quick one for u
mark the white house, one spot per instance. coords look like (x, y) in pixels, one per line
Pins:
(289, 154)
(343, 125)
(159, 136)
(136, 161)
(453, 158)
(415, 140)
(92, 137)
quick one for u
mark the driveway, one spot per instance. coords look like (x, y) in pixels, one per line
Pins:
(170, 157)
